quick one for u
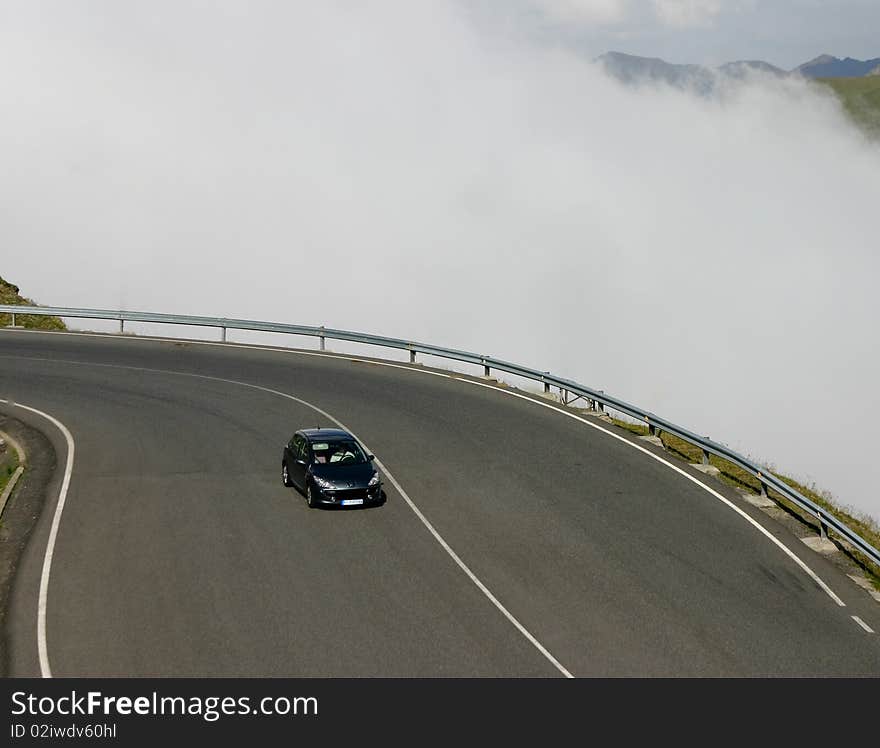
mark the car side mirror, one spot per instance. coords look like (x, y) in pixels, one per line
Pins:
(371, 457)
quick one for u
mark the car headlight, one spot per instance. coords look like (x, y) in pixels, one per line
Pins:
(322, 483)
(374, 481)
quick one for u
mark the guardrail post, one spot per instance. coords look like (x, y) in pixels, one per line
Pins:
(600, 406)
(823, 528)
(485, 367)
(705, 457)
(121, 325)
(763, 487)
(546, 384)
(13, 319)
(222, 334)
(322, 339)
(412, 356)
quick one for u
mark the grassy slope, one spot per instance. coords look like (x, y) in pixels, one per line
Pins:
(8, 465)
(9, 295)
(861, 98)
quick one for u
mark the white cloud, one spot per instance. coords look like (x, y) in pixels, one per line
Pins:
(584, 12)
(688, 13)
(714, 261)
(638, 13)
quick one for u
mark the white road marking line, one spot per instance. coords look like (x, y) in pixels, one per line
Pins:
(473, 577)
(41, 623)
(787, 551)
(424, 520)
(42, 648)
(863, 624)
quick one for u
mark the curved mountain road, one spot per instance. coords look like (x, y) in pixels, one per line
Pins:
(179, 553)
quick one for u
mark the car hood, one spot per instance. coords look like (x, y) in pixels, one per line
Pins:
(341, 475)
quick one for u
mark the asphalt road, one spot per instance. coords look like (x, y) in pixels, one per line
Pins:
(180, 553)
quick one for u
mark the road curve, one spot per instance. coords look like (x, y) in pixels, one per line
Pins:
(179, 552)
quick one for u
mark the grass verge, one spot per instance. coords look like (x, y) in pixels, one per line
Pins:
(8, 465)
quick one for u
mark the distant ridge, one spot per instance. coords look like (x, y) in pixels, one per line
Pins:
(632, 69)
(856, 83)
(826, 66)
(743, 67)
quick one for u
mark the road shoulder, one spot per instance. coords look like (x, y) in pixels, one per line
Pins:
(21, 515)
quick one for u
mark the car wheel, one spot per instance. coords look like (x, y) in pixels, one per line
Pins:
(285, 476)
(310, 498)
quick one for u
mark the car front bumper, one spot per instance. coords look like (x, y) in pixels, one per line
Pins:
(346, 498)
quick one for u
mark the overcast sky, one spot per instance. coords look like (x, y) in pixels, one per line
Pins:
(785, 33)
(460, 174)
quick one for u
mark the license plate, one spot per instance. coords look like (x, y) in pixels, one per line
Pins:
(351, 502)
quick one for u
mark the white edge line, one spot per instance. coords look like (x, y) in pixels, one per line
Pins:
(863, 624)
(424, 520)
(44, 583)
(473, 577)
(785, 549)
(277, 349)
(42, 649)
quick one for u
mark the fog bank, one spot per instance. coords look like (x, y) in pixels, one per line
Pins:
(405, 171)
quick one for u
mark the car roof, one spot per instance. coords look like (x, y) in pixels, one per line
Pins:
(315, 434)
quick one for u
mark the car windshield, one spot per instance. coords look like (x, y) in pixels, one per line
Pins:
(341, 452)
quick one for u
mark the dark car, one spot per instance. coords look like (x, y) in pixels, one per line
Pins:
(331, 468)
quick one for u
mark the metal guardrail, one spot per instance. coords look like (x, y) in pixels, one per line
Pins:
(597, 399)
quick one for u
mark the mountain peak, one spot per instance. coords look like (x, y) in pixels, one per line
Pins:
(820, 60)
(740, 68)
(624, 57)
(826, 66)
(632, 69)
